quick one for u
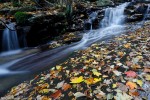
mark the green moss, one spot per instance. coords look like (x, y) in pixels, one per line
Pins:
(21, 17)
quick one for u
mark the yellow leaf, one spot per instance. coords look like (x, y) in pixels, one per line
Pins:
(96, 73)
(45, 91)
(114, 85)
(90, 81)
(77, 79)
(58, 67)
(128, 45)
(97, 80)
(120, 54)
(147, 77)
(139, 82)
(104, 76)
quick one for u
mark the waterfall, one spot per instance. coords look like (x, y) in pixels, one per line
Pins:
(10, 39)
(114, 16)
(111, 25)
(92, 17)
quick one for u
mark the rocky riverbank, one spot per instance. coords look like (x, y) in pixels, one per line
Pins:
(113, 69)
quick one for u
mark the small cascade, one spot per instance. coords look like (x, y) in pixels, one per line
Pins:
(114, 16)
(10, 39)
(111, 25)
(92, 17)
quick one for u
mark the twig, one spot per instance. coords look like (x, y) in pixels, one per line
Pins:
(6, 25)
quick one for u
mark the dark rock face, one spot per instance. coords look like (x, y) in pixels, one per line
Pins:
(136, 11)
(45, 28)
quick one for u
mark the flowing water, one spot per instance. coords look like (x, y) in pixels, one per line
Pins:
(114, 16)
(112, 24)
(10, 39)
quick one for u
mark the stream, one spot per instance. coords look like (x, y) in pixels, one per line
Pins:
(23, 68)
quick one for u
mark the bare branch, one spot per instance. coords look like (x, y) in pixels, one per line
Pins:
(6, 25)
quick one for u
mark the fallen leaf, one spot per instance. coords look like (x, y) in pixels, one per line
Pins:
(121, 54)
(56, 95)
(122, 96)
(146, 70)
(140, 82)
(131, 85)
(134, 93)
(79, 94)
(77, 79)
(128, 45)
(90, 81)
(109, 96)
(66, 86)
(59, 68)
(44, 91)
(114, 85)
(147, 77)
(131, 74)
(122, 87)
(117, 73)
(96, 73)
(59, 85)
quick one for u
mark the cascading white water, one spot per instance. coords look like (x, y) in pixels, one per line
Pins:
(10, 39)
(92, 17)
(114, 16)
(111, 25)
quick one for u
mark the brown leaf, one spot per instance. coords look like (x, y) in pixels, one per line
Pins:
(56, 95)
(146, 70)
(134, 93)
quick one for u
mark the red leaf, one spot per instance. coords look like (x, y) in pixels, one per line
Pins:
(131, 74)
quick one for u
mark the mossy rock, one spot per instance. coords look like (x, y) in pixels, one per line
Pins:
(21, 17)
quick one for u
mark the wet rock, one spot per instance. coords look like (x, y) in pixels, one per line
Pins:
(136, 11)
(134, 18)
(45, 28)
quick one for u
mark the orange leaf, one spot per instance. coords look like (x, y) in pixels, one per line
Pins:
(128, 45)
(120, 54)
(131, 85)
(66, 86)
(56, 95)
